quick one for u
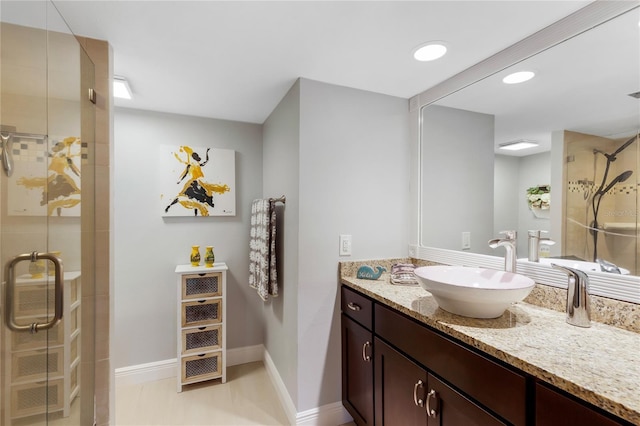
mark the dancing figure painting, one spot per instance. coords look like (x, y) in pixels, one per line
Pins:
(47, 177)
(197, 181)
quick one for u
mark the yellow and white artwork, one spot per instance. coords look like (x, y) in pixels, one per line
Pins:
(46, 179)
(197, 181)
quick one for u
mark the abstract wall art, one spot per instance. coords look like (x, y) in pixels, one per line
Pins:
(46, 181)
(197, 181)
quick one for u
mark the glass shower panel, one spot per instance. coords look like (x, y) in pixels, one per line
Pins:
(602, 203)
(41, 109)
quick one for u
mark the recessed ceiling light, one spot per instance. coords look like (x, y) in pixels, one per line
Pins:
(121, 88)
(518, 145)
(430, 51)
(518, 77)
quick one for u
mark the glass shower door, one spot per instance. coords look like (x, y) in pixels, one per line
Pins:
(43, 108)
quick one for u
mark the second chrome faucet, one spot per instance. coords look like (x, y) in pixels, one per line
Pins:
(509, 243)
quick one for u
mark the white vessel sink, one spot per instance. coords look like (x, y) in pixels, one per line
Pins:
(473, 292)
(578, 264)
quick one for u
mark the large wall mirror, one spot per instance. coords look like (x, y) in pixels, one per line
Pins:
(583, 112)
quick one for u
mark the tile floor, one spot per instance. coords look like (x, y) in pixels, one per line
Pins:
(248, 398)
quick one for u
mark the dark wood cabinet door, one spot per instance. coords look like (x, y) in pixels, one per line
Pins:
(400, 388)
(447, 407)
(357, 371)
(555, 409)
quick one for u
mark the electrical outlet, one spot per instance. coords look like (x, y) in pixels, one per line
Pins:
(345, 245)
(466, 240)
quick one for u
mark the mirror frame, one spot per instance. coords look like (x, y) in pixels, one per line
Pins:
(626, 288)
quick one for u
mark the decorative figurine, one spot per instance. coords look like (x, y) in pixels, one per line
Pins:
(195, 255)
(366, 272)
(209, 257)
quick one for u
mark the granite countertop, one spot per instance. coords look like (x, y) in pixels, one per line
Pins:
(600, 364)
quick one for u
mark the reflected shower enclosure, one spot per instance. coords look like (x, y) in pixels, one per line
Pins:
(602, 203)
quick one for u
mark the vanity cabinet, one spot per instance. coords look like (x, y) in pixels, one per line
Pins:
(556, 409)
(400, 388)
(422, 376)
(357, 356)
(201, 322)
(497, 388)
(415, 366)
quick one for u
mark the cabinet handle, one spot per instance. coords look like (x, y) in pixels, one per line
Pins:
(431, 412)
(353, 306)
(364, 351)
(418, 402)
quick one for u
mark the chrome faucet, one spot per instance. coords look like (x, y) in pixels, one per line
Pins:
(535, 240)
(578, 304)
(509, 243)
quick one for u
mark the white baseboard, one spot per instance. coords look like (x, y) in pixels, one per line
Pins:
(158, 370)
(330, 414)
(144, 373)
(281, 389)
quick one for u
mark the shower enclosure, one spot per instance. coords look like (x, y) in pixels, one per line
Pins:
(47, 120)
(602, 203)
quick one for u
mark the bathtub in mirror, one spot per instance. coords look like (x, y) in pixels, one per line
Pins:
(579, 109)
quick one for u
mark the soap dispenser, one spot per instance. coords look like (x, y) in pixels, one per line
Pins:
(578, 304)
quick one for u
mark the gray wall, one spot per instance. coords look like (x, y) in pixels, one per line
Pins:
(148, 246)
(354, 179)
(457, 178)
(281, 175)
(513, 175)
(533, 170)
(341, 157)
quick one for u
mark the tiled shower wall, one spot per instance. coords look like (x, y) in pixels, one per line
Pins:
(96, 233)
(618, 211)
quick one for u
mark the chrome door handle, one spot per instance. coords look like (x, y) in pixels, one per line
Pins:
(10, 287)
(364, 351)
(431, 412)
(418, 401)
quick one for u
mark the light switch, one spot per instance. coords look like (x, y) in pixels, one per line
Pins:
(345, 245)
(466, 240)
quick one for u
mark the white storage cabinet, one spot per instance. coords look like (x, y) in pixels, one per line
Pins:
(202, 348)
(43, 369)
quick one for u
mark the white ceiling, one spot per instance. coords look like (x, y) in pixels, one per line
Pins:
(235, 60)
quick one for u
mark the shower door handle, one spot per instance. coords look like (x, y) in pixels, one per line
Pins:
(10, 289)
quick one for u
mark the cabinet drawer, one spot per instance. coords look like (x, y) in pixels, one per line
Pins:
(195, 340)
(496, 387)
(33, 299)
(555, 409)
(450, 408)
(201, 312)
(357, 306)
(25, 341)
(198, 286)
(35, 365)
(201, 367)
(35, 398)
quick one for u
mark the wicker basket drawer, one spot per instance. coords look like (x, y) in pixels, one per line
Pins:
(35, 398)
(201, 367)
(201, 312)
(198, 286)
(38, 364)
(25, 341)
(33, 299)
(197, 340)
